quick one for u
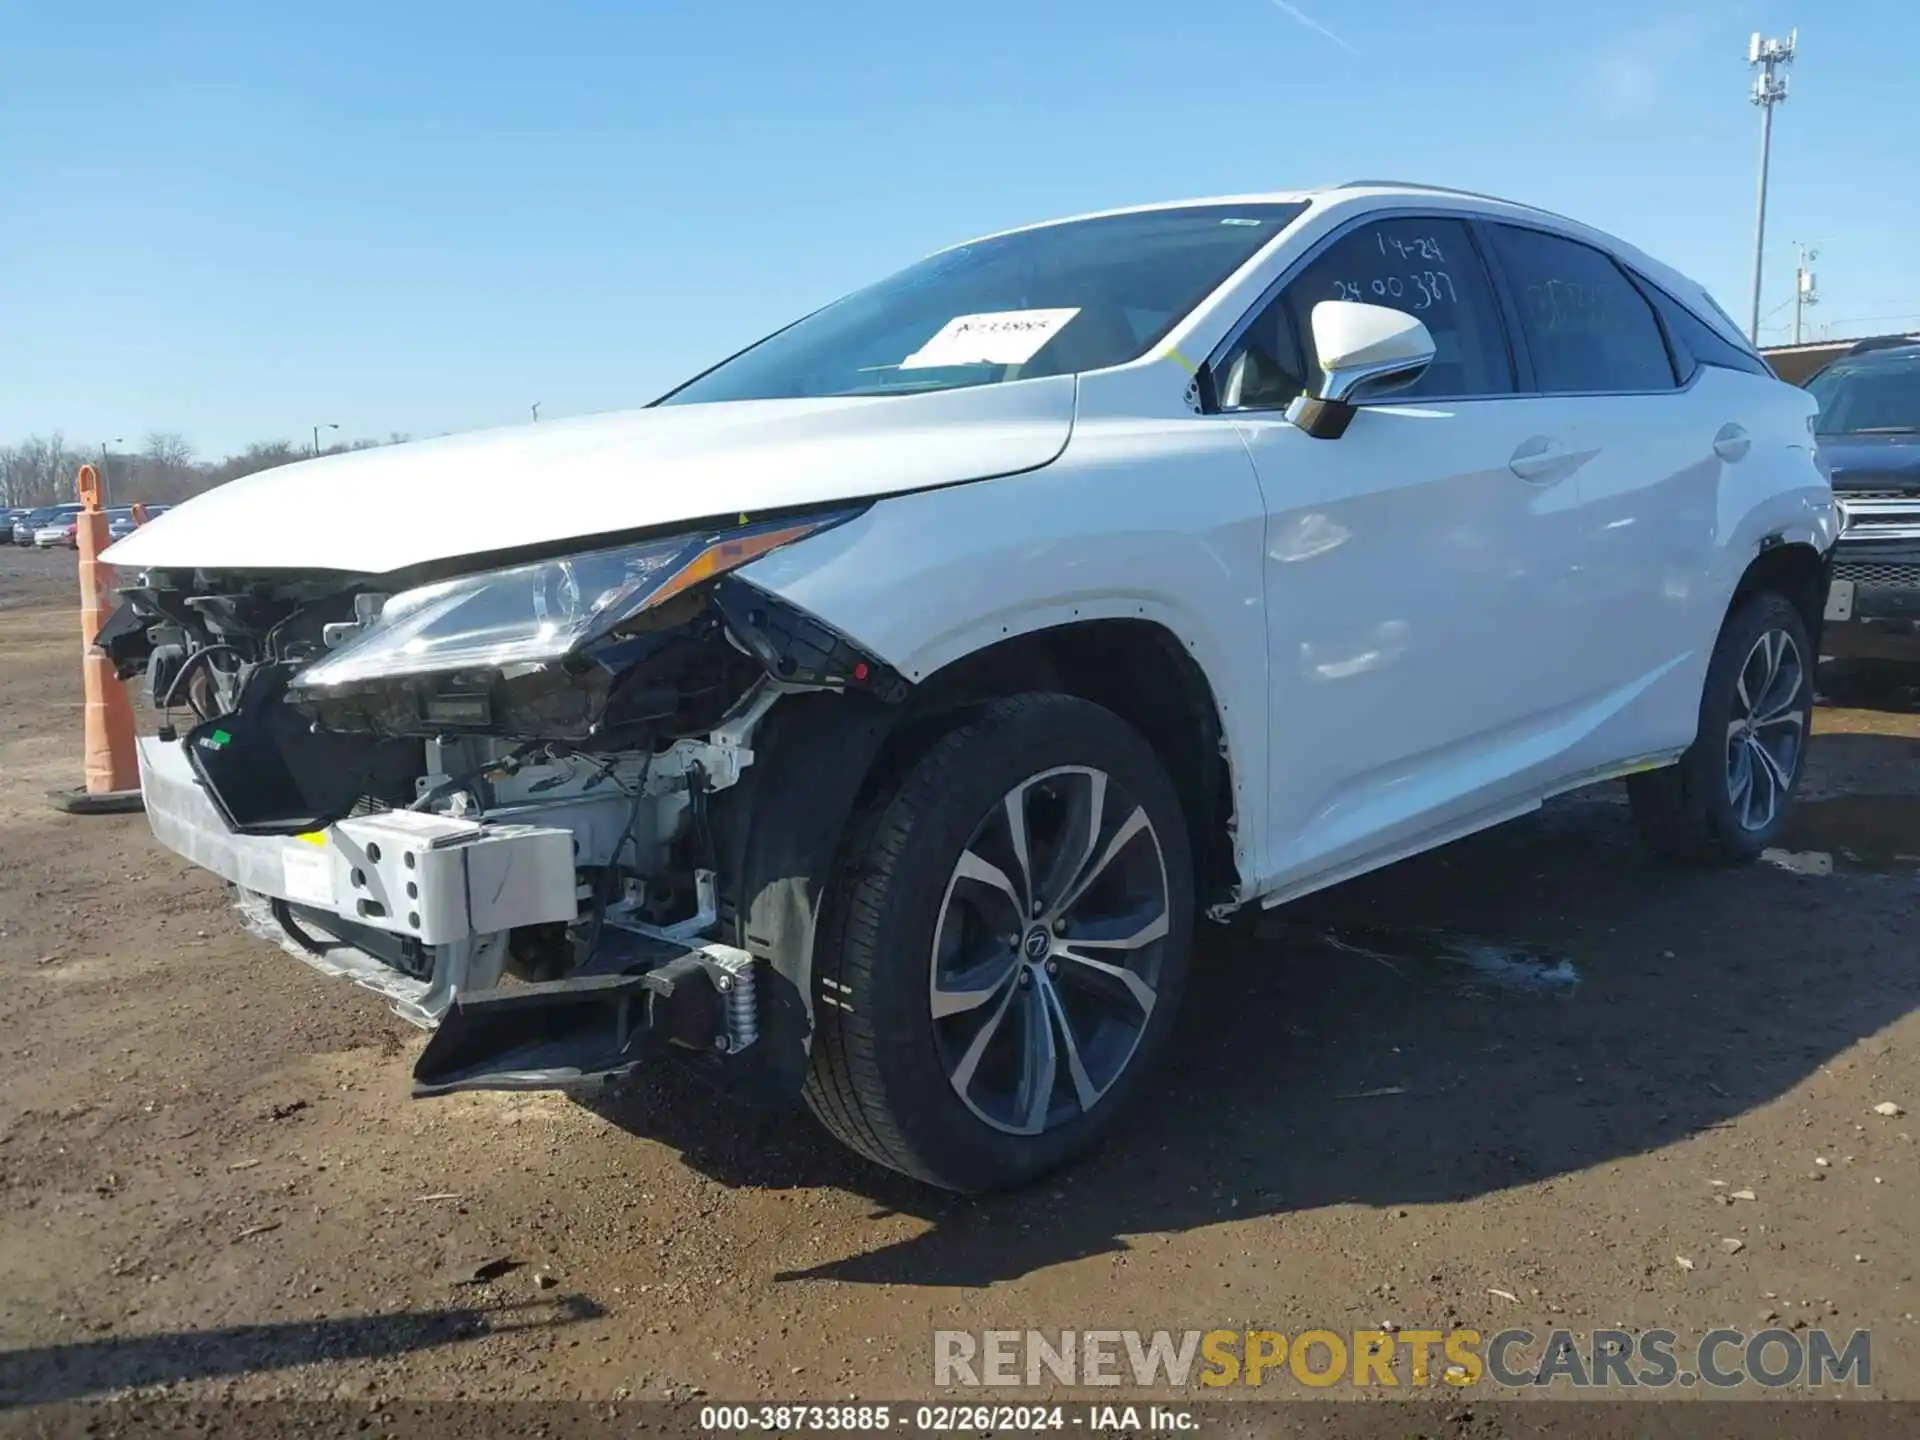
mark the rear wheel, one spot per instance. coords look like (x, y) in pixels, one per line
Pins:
(1727, 799)
(1006, 952)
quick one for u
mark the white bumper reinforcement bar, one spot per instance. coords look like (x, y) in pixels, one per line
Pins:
(451, 885)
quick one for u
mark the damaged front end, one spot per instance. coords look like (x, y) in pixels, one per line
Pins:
(489, 796)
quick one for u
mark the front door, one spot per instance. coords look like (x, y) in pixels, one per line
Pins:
(1414, 566)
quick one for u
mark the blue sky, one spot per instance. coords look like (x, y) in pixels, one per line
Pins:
(238, 221)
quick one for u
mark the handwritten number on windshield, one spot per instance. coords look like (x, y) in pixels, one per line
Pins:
(1419, 247)
(1423, 288)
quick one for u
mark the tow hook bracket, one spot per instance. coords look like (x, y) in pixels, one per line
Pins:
(587, 1027)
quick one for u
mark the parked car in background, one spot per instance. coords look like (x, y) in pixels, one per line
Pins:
(1869, 432)
(26, 529)
(120, 522)
(918, 678)
(59, 532)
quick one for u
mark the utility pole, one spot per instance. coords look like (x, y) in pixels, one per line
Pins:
(316, 437)
(106, 493)
(1804, 291)
(536, 412)
(1769, 89)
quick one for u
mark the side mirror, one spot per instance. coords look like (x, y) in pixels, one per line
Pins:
(1366, 351)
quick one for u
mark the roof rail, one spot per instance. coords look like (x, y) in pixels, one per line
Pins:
(1883, 342)
(1444, 190)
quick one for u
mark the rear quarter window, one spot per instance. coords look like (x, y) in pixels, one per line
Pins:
(1695, 341)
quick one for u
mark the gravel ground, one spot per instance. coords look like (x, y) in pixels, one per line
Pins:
(1515, 1082)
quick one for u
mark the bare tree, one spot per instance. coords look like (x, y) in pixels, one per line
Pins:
(169, 450)
(262, 455)
(40, 469)
(164, 470)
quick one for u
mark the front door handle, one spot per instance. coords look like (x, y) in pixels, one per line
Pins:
(1540, 458)
(1732, 443)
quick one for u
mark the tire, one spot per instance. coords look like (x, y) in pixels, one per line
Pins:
(913, 928)
(1722, 802)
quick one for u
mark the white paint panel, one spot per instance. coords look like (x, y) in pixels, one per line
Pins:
(376, 511)
(1156, 519)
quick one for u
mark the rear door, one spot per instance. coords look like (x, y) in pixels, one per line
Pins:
(1407, 561)
(1649, 455)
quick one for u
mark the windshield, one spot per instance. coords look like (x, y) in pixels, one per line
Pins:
(1079, 295)
(1880, 396)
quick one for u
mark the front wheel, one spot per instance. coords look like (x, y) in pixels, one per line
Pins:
(1728, 796)
(1005, 953)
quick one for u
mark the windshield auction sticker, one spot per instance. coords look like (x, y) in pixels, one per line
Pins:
(999, 337)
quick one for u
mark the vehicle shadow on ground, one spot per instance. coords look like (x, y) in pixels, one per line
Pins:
(1894, 689)
(50, 1373)
(1522, 1005)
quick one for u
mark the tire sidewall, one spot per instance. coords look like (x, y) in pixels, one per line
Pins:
(1753, 618)
(1004, 746)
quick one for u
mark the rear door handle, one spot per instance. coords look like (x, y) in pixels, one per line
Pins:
(1732, 443)
(1540, 458)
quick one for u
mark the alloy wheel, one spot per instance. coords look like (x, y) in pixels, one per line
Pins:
(1047, 955)
(1766, 734)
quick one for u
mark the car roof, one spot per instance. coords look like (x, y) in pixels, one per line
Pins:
(1871, 352)
(1870, 356)
(1364, 194)
(1323, 194)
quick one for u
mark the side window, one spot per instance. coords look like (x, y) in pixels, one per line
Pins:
(1426, 267)
(1698, 340)
(1587, 327)
(1265, 370)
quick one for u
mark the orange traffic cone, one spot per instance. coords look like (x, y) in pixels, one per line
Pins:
(112, 768)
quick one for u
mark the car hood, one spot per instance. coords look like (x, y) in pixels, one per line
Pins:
(395, 507)
(1872, 462)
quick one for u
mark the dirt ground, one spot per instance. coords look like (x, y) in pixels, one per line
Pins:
(1515, 1082)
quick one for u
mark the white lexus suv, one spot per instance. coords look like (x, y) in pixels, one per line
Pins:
(871, 718)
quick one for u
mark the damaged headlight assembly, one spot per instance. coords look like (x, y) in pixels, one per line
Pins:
(556, 648)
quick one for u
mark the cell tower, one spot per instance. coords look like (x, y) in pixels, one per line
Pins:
(1769, 89)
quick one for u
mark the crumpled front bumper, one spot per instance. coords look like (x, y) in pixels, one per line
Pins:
(413, 907)
(448, 892)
